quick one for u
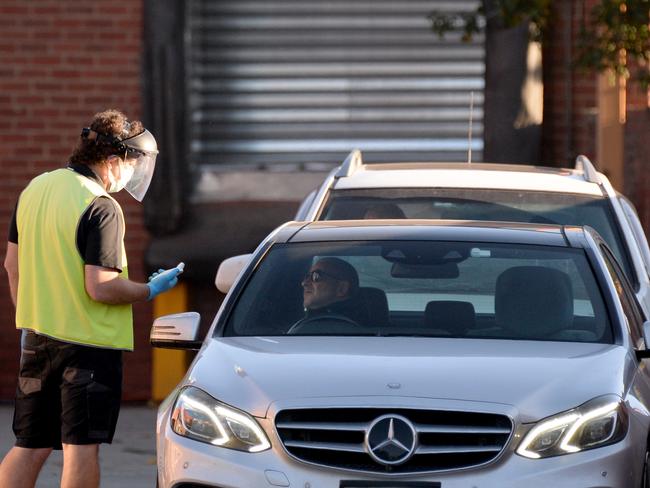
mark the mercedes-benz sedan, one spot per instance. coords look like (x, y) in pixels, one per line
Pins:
(404, 354)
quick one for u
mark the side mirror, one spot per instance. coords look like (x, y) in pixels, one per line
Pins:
(645, 352)
(177, 331)
(228, 271)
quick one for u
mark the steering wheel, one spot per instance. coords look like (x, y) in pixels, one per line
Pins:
(306, 323)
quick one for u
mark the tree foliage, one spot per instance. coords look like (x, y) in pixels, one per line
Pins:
(612, 33)
(617, 28)
(501, 13)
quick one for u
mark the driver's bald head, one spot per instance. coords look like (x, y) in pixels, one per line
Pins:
(340, 269)
(329, 280)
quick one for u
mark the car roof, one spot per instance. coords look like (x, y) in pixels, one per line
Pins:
(439, 230)
(468, 175)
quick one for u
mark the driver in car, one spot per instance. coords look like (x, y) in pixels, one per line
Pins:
(330, 288)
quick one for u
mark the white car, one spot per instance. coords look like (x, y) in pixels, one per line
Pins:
(456, 355)
(480, 191)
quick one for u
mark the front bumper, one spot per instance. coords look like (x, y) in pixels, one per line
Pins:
(182, 460)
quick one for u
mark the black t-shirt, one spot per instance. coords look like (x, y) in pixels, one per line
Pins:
(100, 230)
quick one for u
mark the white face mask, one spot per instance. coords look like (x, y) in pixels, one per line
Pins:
(126, 173)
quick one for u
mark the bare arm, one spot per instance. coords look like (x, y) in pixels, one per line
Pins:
(105, 285)
(11, 265)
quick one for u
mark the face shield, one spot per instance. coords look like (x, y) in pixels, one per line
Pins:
(143, 149)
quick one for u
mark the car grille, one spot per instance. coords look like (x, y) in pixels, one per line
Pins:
(446, 440)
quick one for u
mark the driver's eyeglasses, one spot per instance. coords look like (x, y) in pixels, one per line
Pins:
(317, 275)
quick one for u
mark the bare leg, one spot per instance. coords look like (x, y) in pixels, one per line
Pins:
(21, 466)
(80, 466)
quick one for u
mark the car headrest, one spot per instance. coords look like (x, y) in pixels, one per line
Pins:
(533, 301)
(453, 316)
(376, 305)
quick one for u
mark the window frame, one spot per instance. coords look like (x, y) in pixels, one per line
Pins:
(633, 311)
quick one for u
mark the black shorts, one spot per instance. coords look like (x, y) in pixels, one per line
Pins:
(67, 393)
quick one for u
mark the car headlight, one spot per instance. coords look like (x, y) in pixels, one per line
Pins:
(198, 416)
(597, 423)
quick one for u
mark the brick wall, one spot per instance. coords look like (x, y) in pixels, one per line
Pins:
(570, 97)
(571, 105)
(61, 61)
(637, 128)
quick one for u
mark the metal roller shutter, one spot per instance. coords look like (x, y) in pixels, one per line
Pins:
(275, 82)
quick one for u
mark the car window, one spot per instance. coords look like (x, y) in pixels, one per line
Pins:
(445, 289)
(631, 307)
(482, 204)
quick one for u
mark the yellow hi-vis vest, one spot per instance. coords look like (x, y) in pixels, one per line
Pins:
(52, 298)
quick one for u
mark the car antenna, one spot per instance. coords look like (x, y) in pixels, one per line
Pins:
(469, 134)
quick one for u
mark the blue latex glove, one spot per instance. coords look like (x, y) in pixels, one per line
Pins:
(154, 274)
(164, 280)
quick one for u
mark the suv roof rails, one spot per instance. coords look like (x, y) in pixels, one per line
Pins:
(589, 171)
(351, 164)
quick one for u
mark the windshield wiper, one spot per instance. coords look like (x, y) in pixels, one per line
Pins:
(411, 334)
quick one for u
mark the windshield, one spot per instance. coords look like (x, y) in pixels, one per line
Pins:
(481, 204)
(422, 288)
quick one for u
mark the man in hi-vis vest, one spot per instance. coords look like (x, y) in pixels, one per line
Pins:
(68, 278)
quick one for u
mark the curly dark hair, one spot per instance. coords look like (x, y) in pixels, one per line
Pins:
(111, 122)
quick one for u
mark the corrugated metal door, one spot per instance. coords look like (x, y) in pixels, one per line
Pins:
(273, 82)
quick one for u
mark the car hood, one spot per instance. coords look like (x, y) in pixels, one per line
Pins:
(535, 378)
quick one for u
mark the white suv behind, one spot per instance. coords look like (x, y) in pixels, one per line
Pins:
(488, 192)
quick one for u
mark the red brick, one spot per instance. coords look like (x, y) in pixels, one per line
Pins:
(11, 86)
(32, 151)
(81, 60)
(14, 10)
(47, 86)
(47, 10)
(33, 47)
(49, 35)
(46, 112)
(32, 73)
(65, 74)
(116, 10)
(31, 100)
(68, 100)
(51, 59)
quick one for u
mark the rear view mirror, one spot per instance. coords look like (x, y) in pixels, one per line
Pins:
(177, 331)
(419, 254)
(422, 271)
(229, 270)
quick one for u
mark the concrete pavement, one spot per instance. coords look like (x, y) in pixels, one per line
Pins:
(129, 462)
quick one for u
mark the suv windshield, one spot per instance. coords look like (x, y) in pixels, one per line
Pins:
(422, 288)
(481, 204)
